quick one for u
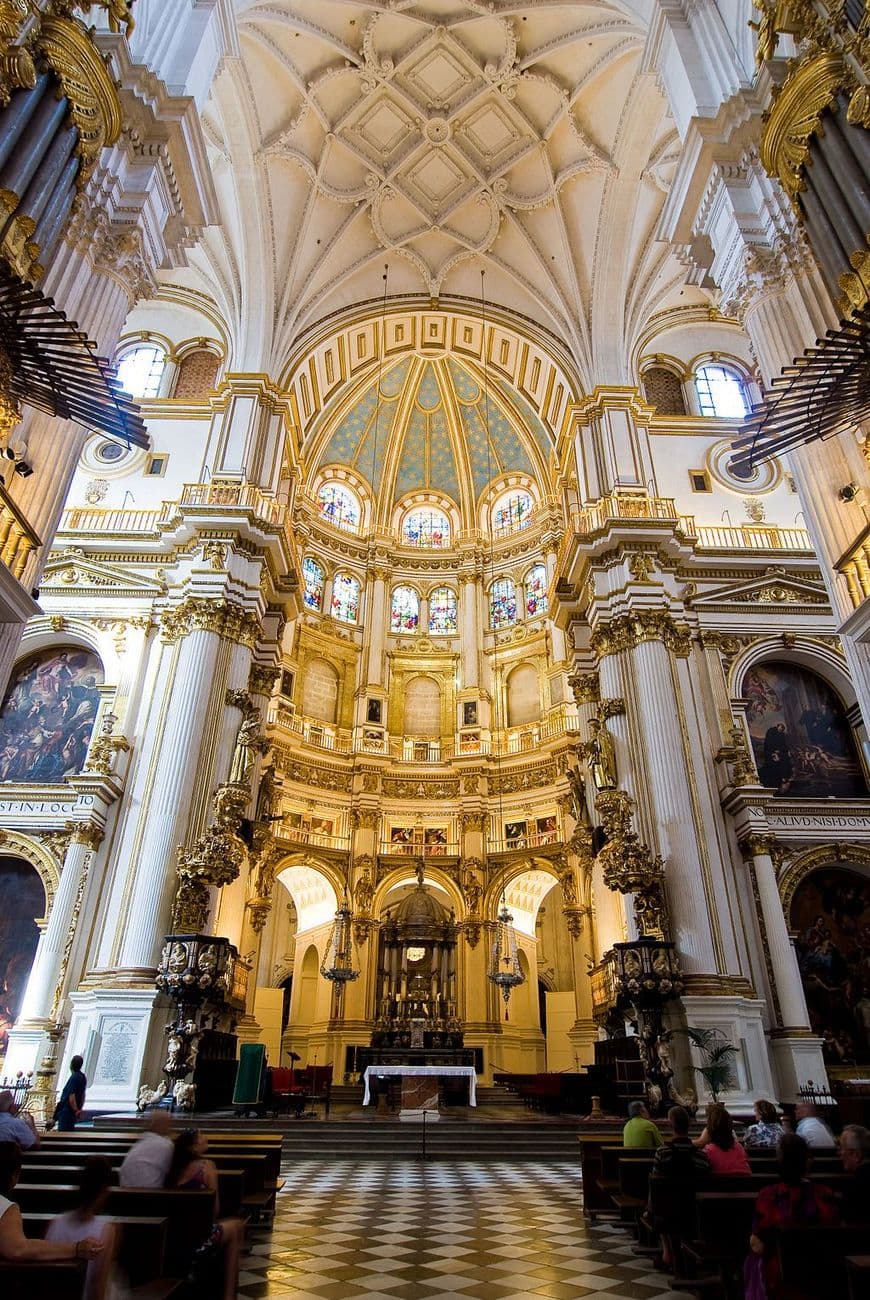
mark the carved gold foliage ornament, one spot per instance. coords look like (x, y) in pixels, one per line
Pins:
(629, 867)
(223, 617)
(17, 69)
(94, 104)
(630, 630)
(585, 687)
(795, 115)
(215, 858)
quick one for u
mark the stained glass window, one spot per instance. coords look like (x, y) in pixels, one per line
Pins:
(502, 603)
(512, 512)
(536, 591)
(721, 392)
(339, 506)
(312, 576)
(404, 610)
(426, 526)
(345, 598)
(141, 369)
(442, 612)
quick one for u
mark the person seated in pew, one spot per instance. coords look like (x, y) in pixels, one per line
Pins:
(855, 1155)
(147, 1162)
(640, 1131)
(791, 1202)
(811, 1127)
(678, 1159)
(190, 1168)
(767, 1129)
(87, 1221)
(18, 1128)
(719, 1144)
(14, 1246)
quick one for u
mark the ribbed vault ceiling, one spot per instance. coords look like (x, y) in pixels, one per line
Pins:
(440, 137)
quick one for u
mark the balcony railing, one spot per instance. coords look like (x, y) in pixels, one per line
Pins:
(306, 835)
(533, 840)
(414, 849)
(18, 541)
(751, 537)
(855, 567)
(231, 492)
(321, 734)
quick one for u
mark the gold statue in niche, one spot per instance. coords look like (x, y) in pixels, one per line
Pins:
(600, 754)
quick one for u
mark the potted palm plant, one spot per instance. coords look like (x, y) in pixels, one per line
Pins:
(717, 1067)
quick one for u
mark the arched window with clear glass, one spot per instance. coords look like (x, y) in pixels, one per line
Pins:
(536, 591)
(442, 612)
(345, 598)
(339, 506)
(404, 610)
(312, 579)
(140, 370)
(426, 526)
(512, 512)
(721, 392)
(502, 603)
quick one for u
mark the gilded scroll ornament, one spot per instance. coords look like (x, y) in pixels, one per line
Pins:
(94, 104)
(629, 867)
(215, 858)
(17, 69)
(118, 13)
(795, 116)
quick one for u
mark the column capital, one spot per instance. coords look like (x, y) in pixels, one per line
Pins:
(211, 614)
(627, 631)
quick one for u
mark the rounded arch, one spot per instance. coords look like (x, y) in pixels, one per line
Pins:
(854, 857)
(342, 499)
(23, 907)
(524, 885)
(46, 865)
(816, 656)
(315, 887)
(434, 876)
(522, 690)
(411, 502)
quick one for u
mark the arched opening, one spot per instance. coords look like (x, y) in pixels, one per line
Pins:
(422, 715)
(320, 691)
(523, 696)
(197, 374)
(801, 738)
(309, 976)
(830, 916)
(22, 901)
(48, 715)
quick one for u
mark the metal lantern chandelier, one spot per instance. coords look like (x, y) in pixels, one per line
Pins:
(338, 965)
(504, 965)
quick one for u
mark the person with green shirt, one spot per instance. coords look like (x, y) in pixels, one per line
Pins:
(640, 1131)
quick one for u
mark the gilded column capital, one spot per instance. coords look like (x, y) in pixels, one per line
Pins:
(364, 818)
(223, 617)
(627, 631)
(586, 687)
(472, 820)
(85, 833)
(758, 845)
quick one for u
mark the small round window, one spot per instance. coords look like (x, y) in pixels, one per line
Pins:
(109, 452)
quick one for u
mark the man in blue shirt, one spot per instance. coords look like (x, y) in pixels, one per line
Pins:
(72, 1099)
(16, 1128)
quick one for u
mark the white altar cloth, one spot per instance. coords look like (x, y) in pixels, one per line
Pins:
(439, 1071)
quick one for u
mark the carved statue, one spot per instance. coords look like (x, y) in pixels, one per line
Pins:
(243, 754)
(767, 29)
(600, 754)
(268, 804)
(185, 1096)
(578, 795)
(151, 1096)
(117, 12)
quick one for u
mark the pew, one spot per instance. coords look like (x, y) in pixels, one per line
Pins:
(814, 1258)
(188, 1214)
(142, 1244)
(858, 1274)
(27, 1281)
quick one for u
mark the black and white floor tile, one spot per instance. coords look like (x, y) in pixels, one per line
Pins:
(406, 1231)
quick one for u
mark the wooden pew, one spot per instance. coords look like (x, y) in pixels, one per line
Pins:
(31, 1280)
(813, 1259)
(858, 1273)
(189, 1214)
(231, 1183)
(592, 1146)
(142, 1246)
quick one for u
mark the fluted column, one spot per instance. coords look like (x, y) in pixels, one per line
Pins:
(789, 1004)
(42, 996)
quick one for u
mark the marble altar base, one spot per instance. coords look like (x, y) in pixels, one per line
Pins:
(419, 1099)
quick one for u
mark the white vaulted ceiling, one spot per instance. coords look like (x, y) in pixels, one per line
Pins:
(440, 138)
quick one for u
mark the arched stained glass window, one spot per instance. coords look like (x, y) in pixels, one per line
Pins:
(512, 512)
(312, 577)
(345, 598)
(721, 392)
(426, 526)
(339, 506)
(502, 603)
(141, 369)
(404, 610)
(536, 591)
(442, 612)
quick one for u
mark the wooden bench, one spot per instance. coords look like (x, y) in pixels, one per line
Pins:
(142, 1244)
(189, 1214)
(858, 1273)
(813, 1259)
(26, 1281)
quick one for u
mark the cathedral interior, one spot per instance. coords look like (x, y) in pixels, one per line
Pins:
(430, 647)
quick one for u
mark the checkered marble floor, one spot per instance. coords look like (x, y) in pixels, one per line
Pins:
(408, 1231)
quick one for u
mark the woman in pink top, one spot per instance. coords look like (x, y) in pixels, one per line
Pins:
(721, 1148)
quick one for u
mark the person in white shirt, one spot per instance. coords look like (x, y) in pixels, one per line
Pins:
(813, 1130)
(86, 1222)
(147, 1162)
(16, 1128)
(14, 1246)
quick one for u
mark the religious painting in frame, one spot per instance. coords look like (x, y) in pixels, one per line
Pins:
(48, 715)
(830, 915)
(801, 738)
(22, 903)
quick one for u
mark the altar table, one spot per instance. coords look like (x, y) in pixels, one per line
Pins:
(422, 1071)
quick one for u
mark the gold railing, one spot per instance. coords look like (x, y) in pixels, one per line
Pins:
(752, 537)
(854, 564)
(18, 541)
(230, 492)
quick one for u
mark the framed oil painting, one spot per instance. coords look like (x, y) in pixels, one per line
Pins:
(48, 715)
(801, 738)
(22, 902)
(830, 915)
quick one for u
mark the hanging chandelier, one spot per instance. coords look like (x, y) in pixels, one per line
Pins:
(504, 966)
(338, 965)
(504, 971)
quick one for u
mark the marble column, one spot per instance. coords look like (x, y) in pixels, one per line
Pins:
(376, 622)
(469, 631)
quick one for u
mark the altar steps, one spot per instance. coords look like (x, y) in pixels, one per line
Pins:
(454, 1137)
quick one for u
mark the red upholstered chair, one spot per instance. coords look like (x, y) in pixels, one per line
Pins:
(286, 1092)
